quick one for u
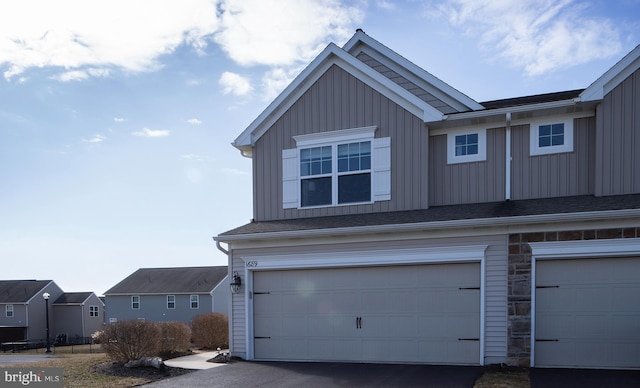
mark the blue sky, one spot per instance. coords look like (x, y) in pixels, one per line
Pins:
(116, 116)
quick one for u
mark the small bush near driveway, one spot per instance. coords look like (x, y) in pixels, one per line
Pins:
(210, 331)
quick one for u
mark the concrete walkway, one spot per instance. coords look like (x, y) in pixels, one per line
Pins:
(195, 361)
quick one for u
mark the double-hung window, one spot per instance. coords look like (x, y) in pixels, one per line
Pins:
(171, 301)
(135, 302)
(554, 135)
(335, 174)
(336, 168)
(9, 311)
(195, 301)
(93, 311)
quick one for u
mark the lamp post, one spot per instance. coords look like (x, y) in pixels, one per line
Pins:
(46, 304)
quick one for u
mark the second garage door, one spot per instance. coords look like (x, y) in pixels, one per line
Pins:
(588, 313)
(418, 313)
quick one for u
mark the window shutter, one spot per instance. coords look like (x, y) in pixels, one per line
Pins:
(382, 169)
(290, 187)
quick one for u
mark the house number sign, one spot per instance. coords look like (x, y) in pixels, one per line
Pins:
(251, 264)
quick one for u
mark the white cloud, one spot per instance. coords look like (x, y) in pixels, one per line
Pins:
(194, 121)
(195, 157)
(100, 35)
(235, 84)
(233, 171)
(146, 132)
(282, 32)
(119, 119)
(95, 139)
(275, 80)
(538, 35)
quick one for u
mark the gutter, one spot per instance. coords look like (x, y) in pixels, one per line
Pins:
(220, 248)
(605, 215)
(511, 109)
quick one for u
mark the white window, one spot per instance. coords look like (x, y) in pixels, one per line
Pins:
(195, 301)
(9, 310)
(551, 136)
(337, 168)
(171, 301)
(135, 302)
(466, 145)
(93, 311)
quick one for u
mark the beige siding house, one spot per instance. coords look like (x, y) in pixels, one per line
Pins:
(398, 220)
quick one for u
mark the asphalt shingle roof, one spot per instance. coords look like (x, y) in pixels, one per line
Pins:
(20, 291)
(72, 298)
(529, 207)
(170, 280)
(535, 99)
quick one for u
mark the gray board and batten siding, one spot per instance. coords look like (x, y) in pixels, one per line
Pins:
(474, 182)
(618, 139)
(554, 175)
(337, 101)
(495, 285)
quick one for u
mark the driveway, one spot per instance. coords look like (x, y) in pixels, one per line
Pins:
(583, 378)
(310, 375)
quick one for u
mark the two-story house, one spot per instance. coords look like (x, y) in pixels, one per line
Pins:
(73, 316)
(398, 220)
(169, 294)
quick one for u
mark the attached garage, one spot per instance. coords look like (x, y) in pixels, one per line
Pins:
(587, 313)
(427, 313)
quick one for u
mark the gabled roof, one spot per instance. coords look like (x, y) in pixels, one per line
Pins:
(613, 77)
(170, 281)
(333, 55)
(361, 42)
(73, 298)
(20, 291)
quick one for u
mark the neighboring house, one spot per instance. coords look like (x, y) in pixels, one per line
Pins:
(77, 315)
(23, 309)
(169, 294)
(398, 220)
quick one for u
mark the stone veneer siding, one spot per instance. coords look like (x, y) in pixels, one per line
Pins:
(519, 281)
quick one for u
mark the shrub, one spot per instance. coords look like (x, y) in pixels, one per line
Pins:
(210, 331)
(130, 340)
(175, 338)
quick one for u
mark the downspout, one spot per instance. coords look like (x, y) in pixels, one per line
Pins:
(507, 169)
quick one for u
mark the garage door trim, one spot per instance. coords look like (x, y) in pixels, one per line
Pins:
(560, 250)
(366, 258)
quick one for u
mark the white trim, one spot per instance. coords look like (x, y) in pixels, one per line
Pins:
(449, 254)
(331, 137)
(481, 156)
(612, 77)
(360, 38)
(534, 133)
(583, 249)
(333, 55)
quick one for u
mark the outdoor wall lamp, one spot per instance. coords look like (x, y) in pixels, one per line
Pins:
(236, 283)
(46, 296)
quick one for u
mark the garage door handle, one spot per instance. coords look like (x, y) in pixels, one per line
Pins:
(358, 322)
(261, 337)
(468, 339)
(547, 286)
(547, 340)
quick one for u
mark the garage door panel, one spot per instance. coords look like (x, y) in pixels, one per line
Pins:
(408, 314)
(592, 317)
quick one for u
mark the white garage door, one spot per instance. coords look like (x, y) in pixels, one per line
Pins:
(588, 313)
(418, 313)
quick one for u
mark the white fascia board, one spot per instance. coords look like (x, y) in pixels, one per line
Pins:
(405, 65)
(612, 77)
(333, 55)
(606, 215)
